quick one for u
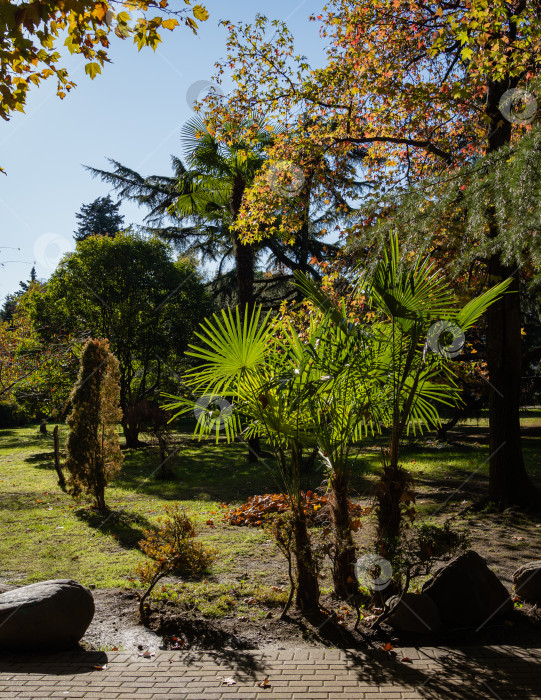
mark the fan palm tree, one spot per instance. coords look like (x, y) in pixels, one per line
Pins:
(195, 208)
(335, 394)
(418, 329)
(241, 360)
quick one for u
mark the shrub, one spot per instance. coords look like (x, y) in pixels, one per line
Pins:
(93, 453)
(12, 415)
(173, 549)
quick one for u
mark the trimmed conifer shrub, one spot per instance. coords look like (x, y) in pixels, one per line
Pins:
(93, 452)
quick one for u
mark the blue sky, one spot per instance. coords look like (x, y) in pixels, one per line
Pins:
(132, 113)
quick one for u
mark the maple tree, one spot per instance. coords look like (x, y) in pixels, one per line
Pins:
(31, 32)
(34, 372)
(421, 89)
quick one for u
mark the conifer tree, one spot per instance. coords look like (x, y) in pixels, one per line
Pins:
(93, 453)
(100, 218)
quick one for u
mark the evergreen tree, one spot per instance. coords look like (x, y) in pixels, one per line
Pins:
(100, 218)
(93, 453)
(10, 303)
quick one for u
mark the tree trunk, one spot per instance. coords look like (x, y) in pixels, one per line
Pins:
(99, 496)
(345, 582)
(245, 270)
(307, 592)
(254, 451)
(165, 471)
(508, 481)
(61, 478)
(393, 484)
(131, 433)
(509, 484)
(245, 273)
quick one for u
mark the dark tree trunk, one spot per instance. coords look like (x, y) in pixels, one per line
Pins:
(245, 266)
(131, 434)
(166, 470)
(245, 273)
(508, 481)
(345, 582)
(509, 484)
(244, 252)
(99, 496)
(307, 592)
(61, 478)
(390, 489)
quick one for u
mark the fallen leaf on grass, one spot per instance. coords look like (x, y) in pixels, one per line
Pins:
(265, 683)
(229, 681)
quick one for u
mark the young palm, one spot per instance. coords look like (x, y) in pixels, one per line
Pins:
(335, 394)
(241, 359)
(418, 329)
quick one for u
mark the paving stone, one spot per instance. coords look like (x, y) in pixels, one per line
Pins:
(307, 674)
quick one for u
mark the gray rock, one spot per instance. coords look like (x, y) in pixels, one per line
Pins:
(49, 614)
(467, 593)
(415, 612)
(527, 580)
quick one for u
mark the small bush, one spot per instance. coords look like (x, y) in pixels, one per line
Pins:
(12, 415)
(173, 549)
(427, 545)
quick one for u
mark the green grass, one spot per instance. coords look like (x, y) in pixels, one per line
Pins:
(53, 536)
(49, 535)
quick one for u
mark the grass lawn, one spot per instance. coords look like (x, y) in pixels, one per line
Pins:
(49, 535)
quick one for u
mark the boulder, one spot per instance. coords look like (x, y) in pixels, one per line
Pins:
(414, 612)
(527, 580)
(49, 614)
(467, 593)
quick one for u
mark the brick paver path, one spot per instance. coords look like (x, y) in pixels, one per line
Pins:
(439, 673)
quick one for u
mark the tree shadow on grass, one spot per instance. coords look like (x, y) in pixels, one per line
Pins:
(126, 528)
(42, 460)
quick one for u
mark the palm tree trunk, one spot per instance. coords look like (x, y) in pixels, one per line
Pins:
(307, 591)
(245, 272)
(345, 583)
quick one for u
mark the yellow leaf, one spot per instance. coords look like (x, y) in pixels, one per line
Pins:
(200, 13)
(170, 24)
(99, 11)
